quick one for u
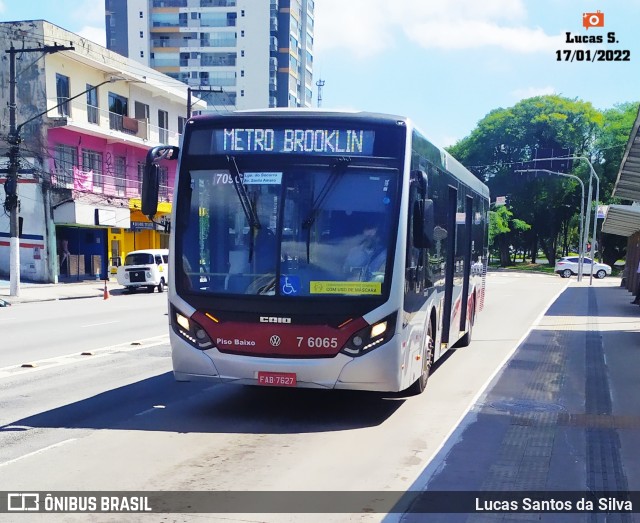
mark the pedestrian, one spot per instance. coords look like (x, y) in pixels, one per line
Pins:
(637, 299)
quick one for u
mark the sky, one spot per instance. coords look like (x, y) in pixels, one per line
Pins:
(443, 63)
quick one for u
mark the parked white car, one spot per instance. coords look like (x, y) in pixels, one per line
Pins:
(568, 266)
(147, 268)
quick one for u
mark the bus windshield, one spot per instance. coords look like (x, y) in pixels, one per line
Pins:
(322, 228)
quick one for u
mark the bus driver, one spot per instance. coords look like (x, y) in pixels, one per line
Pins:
(367, 257)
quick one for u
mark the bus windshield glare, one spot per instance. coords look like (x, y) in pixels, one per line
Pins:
(321, 229)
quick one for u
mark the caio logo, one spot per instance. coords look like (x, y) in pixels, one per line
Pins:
(593, 19)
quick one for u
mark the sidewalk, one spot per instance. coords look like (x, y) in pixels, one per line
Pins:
(562, 416)
(30, 292)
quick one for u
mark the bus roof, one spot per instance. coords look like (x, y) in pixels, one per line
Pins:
(293, 112)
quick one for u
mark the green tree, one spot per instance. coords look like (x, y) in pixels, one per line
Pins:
(506, 137)
(503, 228)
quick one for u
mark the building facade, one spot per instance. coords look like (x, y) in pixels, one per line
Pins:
(236, 54)
(81, 163)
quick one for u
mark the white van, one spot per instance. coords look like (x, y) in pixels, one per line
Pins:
(147, 268)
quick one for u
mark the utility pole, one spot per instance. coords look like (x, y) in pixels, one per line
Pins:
(199, 90)
(320, 85)
(11, 183)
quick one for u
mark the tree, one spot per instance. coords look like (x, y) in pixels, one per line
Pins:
(507, 137)
(502, 230)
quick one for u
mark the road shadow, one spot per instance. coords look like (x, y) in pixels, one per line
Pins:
(162, 404)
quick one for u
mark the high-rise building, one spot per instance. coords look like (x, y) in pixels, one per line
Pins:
(248, 53)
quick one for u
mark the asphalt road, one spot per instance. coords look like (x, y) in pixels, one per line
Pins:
(41, 330)
(118, 421)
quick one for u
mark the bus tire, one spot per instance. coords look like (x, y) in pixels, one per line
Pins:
(427, 359)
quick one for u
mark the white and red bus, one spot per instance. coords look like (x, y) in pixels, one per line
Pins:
(319, 249)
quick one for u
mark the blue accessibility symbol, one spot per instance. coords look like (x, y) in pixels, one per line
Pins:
(289, 285)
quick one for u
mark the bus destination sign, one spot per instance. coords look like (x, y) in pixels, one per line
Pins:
(357, 142)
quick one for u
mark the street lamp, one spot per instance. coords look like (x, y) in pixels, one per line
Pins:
(580, 233)
(11, 183)
(595, 218)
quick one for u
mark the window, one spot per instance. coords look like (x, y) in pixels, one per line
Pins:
(118, 109)
(137, 184)
(92, 104)
(242, 73)
(65, 158)
(163, 182)
(141, 34)
(242, 53)
(92, 162)
(62, 92)
(141, 54)
(242, 33)
(181, 122)
(163, 124)
(120, 174)
(141, 14)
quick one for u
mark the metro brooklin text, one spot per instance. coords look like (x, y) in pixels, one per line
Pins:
(606, 504)
(294, 140)
(56, 503)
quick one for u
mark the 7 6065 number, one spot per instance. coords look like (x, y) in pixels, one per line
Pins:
(317, 342)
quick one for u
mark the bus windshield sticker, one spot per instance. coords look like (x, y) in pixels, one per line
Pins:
(262, 179)
(357, 142)
(346, 287)
(289, 285)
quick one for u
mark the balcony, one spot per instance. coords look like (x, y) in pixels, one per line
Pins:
(103, 123)
(126, 185)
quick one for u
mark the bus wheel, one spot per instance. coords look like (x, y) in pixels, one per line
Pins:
(427, 359)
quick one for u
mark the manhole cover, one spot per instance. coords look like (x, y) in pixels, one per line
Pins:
(518, 406)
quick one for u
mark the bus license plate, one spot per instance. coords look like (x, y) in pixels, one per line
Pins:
(277, 379)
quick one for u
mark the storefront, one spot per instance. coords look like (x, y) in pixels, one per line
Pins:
(141, 234)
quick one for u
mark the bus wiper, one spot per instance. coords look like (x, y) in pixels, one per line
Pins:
(245, 201)
(338, 168)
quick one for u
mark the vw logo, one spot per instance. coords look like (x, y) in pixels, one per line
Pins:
(275, 341)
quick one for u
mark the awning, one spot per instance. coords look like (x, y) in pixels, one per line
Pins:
(628, 182)
(622, 220)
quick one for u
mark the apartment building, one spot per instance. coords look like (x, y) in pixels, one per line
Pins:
(237, 54)
(81, 162)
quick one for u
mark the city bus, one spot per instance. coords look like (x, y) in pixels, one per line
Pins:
(333, 250)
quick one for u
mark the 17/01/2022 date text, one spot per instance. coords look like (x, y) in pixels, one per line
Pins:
(597, 55)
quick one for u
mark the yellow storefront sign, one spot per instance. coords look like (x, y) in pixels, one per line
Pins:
(346, 287)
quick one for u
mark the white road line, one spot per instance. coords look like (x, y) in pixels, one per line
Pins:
(39, 451)
(96, 324)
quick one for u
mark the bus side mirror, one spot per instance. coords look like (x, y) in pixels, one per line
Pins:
(150, 187)
(151, 177)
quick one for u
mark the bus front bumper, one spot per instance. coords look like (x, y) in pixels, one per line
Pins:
(380, 370)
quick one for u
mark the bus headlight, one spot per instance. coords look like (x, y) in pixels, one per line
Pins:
(190, 331)
(371, 336)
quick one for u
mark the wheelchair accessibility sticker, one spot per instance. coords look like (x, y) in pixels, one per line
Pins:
(289, 285)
